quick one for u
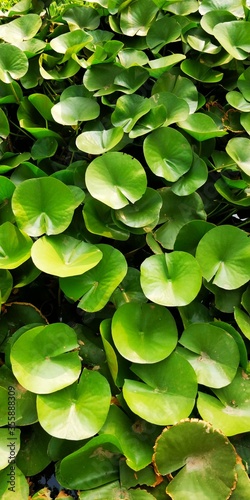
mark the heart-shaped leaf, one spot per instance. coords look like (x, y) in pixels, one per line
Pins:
(78, 411)
(167, 153)
(201, 127)
(238, 148)
(144, 333)
(234, 38)
(212, 352)
(128, 110)
(167, 393)
(223, 254)
(171, 279)
(44, 359)
(116, 187)
(64, 255)
(23, 28)
(136, 20)
(199, 450)
(71, 110)
(43, 205)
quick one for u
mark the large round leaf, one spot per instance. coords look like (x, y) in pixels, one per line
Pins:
(23, 28)
(116, 179)
(144, 333)
(201, 126)
(212, 352)
(13, 63)
(96, 142)
(44, 359)
(190, 234)
(128, 110)
(202, 453)
(167, 393)
(15, 246)
(64, 255)
(76, 412)
(223, 254)
(230, 411)
(96, 286)
(167, 153)
(171, 279)
(239, 149)
(44, 205)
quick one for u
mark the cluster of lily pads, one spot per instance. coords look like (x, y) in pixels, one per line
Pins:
(124, 248)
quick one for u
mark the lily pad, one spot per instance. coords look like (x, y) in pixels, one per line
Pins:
(171, 279)
(93, 465)
(193, 179)
(243, 321)
(143, 212)
(25, 401)
(96, 142)
(128, 110)
(116, 179)
(71, 110)
(13, 63)
(96, 286)
(64, 255)
(32, 457)
(190, 234)
(9, 446)
(234, 38)
(98, 220)
(238, 148)
(167, 153)
(201, 126)
(212, 352)
(144, 333)
(229, 410)
(78, 411)
(21, 484)
(129, 290)
(199, 450)
(223, 254)
(45, 358)
(43, 205)
(167, 393)
(15, 246)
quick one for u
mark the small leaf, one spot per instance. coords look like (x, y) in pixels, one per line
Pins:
(96, 142)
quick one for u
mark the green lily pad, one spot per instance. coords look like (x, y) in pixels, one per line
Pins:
(96, 142)
(25, 401)
(78, 411)
(98, 220)
(242, 490)
(13, 63)
(167, 153)
(193, 179)
(70, 43)
(9, 445)
(15, 246)
(223, 254)
(190, 234)
(143, 212)
(128, 110)
(32, 457)
(167, 393)
(176, 108)
(201, 72)
(93, 465)
(171, 279)
(64, 255)
(236, 100)
(136, 439)
(225, 300)
(176, 211)
(43, 205)
(44, 148)
(71, 110)
(202, 127)
(23, 28)
(115, 491)
(144, 333)
(212, 352)
(118, 366)
(129, 290)
(136, 20)
(44, 359)
(163, 31)
(96, 286)
(116, 187)
(84, 17)
(234, 38)
(238, 148)
(178, 86)
(199, 450)
(229, 410)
